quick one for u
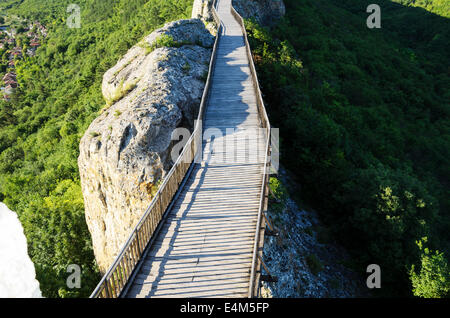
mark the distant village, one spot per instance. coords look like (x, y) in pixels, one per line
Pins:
(9, 42)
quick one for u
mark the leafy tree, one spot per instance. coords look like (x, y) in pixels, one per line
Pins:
(433, 279)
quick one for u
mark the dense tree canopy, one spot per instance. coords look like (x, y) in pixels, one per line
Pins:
(365, 127)
(440, 7)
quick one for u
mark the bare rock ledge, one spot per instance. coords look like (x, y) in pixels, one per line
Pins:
(265, 12)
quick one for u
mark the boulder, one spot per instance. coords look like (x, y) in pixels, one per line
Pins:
(125, 153)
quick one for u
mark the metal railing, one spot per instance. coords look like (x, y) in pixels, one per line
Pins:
(255, 273)
(128, 261)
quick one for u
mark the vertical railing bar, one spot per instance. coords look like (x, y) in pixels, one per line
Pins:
(121, 275)
(145, 232)
(133, 253)
(112, 285)
(117, 274)
(105, 288)
(126, 269)
(118, 278)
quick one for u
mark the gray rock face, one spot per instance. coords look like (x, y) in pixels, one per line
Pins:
(201, 9)
(125, 153)
(265, 12)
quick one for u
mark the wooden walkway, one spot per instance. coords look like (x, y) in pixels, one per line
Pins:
(205, 247)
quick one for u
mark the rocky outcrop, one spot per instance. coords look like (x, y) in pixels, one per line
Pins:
(266, 12)
(202, 9)
(305, 257)
(125, 153)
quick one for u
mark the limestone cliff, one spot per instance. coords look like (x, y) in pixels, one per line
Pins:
(202, 10)
(124, 154)
(264, 11)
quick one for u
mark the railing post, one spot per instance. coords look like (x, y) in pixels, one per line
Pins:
(138, 244)
(107, 293)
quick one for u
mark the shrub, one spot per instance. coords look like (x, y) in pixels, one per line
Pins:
(433, 279)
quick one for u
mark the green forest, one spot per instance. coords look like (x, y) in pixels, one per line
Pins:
(364, 116)
(366, 129)
(439, 7)
(59, 95)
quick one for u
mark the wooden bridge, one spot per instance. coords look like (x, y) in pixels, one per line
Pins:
(203, 234)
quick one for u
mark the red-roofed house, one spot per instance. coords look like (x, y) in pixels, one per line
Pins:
(9, 76)
(12, 83)
(9, 90)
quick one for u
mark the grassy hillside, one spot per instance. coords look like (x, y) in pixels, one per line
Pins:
(365, 127)
(59, 95)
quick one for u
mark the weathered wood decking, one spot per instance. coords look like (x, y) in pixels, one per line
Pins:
(205, 247)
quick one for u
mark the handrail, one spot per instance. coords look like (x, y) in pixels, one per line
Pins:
(255, 273)
(124, 266)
